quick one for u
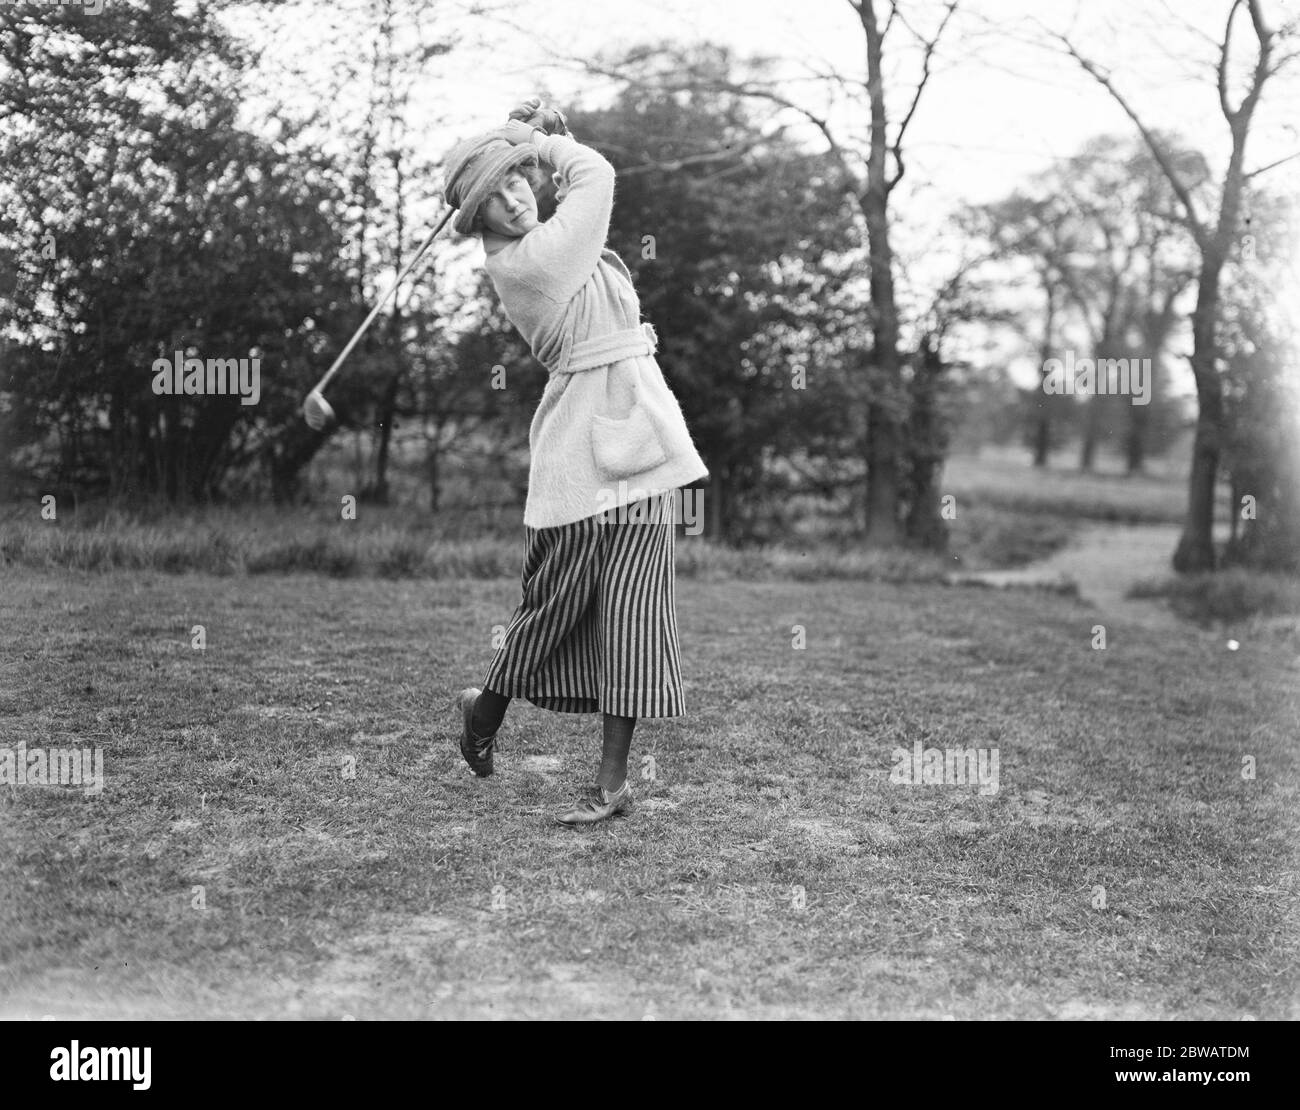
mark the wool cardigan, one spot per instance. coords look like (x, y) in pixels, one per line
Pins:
(608, 430)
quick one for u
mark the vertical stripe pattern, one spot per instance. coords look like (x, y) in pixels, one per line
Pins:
(596, 630)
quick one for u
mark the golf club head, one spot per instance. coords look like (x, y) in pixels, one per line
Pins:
(317, 411)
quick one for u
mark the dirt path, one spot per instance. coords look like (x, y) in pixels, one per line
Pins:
(1103, 563)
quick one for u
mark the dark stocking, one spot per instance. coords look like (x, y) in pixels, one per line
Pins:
(489, 711)
(613, 752)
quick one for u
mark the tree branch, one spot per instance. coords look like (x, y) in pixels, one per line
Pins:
(1221, 70)
(928, 53)
(1158, 152)
(893, 11)
(699, 159)
(1262, 169)
(747, 89)
(1261, 74)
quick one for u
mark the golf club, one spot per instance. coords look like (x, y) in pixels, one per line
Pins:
(315, 409)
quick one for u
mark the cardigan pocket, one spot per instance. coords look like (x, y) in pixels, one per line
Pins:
(622, 448)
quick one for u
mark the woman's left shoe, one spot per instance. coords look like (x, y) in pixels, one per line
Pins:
(476, 749)
(598, 805)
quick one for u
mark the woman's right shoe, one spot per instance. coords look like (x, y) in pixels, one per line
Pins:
(598, 805)
(477, 750)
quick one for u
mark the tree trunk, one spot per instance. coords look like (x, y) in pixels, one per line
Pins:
(1043, 432)
(378, 491)
(926, 446)
(1091, 429)
(1270, 541)
(882, 477)
(433, 461)
(1135, 443)
(1101, 391)
(1155, 323)
(883, 438)
(117, 439)
(1195, 551)
(287, 456)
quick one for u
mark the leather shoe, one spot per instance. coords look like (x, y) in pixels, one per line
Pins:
(598, 805)
(477, 750)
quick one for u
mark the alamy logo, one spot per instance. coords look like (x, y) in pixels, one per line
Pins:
(21, 766)
(215, 377)
(1128, 377)
(634, 505)
(92, 7)
(113, 1064)
(946, 767)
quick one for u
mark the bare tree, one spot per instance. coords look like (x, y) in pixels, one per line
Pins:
(1215, 235)
(1123, 211)
(870, 177)
(883, 426)
(1036, 229)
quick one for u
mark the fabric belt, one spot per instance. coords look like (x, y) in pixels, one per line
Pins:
(601, 350)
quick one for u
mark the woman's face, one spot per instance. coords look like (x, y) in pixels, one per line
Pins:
(510, 209)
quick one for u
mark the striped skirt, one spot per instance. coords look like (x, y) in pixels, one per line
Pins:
(597, 628)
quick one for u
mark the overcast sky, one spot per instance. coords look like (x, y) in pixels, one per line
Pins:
(1001, 103)
(996, 107)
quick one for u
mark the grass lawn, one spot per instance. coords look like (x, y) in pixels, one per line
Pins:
(1004, 478)
(771, 870)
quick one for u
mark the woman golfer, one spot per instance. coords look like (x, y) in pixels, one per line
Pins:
(596, 630)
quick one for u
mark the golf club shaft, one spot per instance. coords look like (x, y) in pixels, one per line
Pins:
(320, 386)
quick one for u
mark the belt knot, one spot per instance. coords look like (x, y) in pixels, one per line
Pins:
(601, 350)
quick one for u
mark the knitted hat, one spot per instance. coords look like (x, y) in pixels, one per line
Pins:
(473, 167)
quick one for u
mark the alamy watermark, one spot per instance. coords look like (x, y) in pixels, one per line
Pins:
(946, 767)
(114, 1065)
(1125, 377)
(215, 377)
(634, 505)
(92, 7)
(23, 766)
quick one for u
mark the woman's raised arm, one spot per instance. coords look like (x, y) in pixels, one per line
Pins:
(558, 257)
